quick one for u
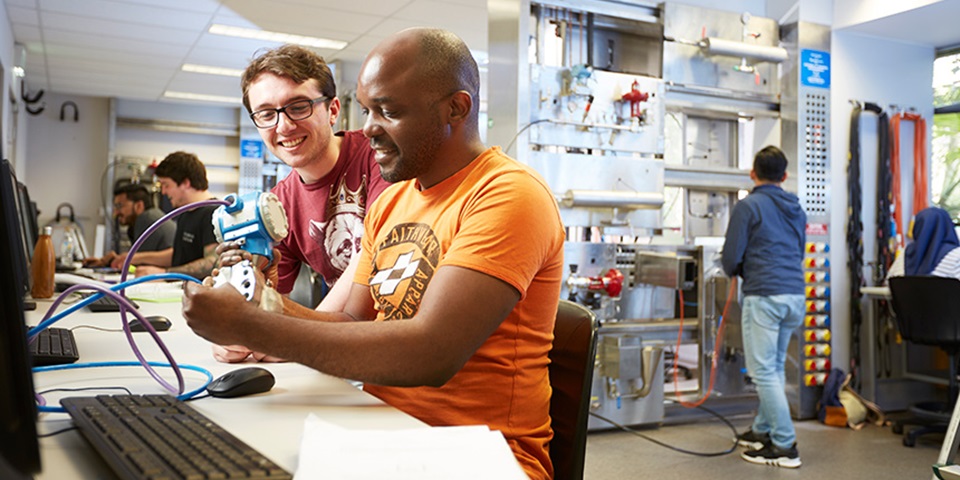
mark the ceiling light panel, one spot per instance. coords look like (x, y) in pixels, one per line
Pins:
(211, 70)
(276, 37)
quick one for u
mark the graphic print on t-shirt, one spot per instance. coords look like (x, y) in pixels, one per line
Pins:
(403, 265)
(340, 234)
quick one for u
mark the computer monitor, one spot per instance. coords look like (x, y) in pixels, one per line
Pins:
(11, 205)
(28, 219)
(19, 447)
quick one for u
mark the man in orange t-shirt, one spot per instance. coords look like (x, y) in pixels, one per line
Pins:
(451, 313)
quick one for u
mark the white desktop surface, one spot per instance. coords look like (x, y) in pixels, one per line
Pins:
(270, 422)
(878, 291)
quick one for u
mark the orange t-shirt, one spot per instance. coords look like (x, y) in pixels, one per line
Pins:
(498, 217)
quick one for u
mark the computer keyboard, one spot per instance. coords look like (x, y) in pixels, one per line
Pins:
(54, 346)
(106, 304)
(158, 436)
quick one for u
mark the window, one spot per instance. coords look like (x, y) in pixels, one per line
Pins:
(945, 155)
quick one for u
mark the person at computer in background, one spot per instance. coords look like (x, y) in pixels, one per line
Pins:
(183, 179)
(134, 209)
(451, 313)
(934, 249)
(334, 177)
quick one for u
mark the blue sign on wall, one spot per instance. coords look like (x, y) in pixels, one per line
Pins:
(815, 68)
(251, 148)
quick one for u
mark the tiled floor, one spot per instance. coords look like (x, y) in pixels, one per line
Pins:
(827, 453)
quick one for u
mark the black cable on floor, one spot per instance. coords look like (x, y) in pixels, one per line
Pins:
(678, 449)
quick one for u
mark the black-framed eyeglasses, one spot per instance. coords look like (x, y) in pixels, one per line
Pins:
(299, 110)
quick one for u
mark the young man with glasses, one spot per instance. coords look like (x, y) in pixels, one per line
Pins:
(133, 208)
(292, 99)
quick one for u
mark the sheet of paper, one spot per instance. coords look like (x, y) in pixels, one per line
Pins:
(473, 452)
(158, 292)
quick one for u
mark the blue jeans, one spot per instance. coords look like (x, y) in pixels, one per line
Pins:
(767, 324)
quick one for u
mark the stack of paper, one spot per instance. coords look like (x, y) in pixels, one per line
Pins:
(332, 452)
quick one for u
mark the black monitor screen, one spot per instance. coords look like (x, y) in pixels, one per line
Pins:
(11, 205)
(18, 411)
(28, 220)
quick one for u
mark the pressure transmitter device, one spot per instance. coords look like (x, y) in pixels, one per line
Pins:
(256, 220)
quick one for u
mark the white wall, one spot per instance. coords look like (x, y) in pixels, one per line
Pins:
(220, 154)
(64, 160)
(853, 12)
(885, 72)
(12, 133)
(68, 162)
(7, 61)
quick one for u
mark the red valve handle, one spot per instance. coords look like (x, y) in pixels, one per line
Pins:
(611, 282)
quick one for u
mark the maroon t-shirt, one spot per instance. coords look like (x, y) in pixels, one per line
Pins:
(326, 217)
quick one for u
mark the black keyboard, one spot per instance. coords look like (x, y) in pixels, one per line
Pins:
(54, 346)
(106, 304)
(158, 436)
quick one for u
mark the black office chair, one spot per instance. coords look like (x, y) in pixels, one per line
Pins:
(571, 376)
(928, 313)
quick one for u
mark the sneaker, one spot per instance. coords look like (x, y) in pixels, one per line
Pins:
(773, 455)
(753, 440)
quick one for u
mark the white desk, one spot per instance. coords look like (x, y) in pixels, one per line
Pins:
(270, 422)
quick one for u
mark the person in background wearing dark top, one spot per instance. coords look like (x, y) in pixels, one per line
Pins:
(451, 312)
(292, 99)
(933, 247)
(764, 245)
(183, 179)
(134, 209)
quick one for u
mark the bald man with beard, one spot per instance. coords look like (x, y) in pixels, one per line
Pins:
(451, 311)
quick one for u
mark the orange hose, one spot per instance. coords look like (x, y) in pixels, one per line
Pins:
(920, 170)
(713, 358)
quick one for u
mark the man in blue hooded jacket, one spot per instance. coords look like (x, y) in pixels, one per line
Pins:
(764, 246)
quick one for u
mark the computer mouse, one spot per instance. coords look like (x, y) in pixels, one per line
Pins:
(159, 322)
(242, 381)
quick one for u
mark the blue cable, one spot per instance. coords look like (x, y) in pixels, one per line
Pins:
(71, 366)
(92, 298)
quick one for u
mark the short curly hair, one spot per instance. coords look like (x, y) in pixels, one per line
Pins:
(180, 166)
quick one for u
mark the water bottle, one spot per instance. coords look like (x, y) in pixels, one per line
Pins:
(67, 249)
(43, 265)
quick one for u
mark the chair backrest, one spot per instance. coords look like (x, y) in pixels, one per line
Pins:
(571, 376)
(928, 310)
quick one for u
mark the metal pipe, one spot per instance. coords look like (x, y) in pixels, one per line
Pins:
(731, 48)
(651, 359)
(612, 198)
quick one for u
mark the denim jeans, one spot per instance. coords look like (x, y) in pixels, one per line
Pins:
(767, 323)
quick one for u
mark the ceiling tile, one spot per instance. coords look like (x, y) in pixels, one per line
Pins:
(373, 8)
(219, 58)
(135, 48)
(207, 84)
(64, 53)
(128, 12)
(199, 6)
(107, 45)
(306, 19)
(21, 15)
(121, 31)
(26, 33)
